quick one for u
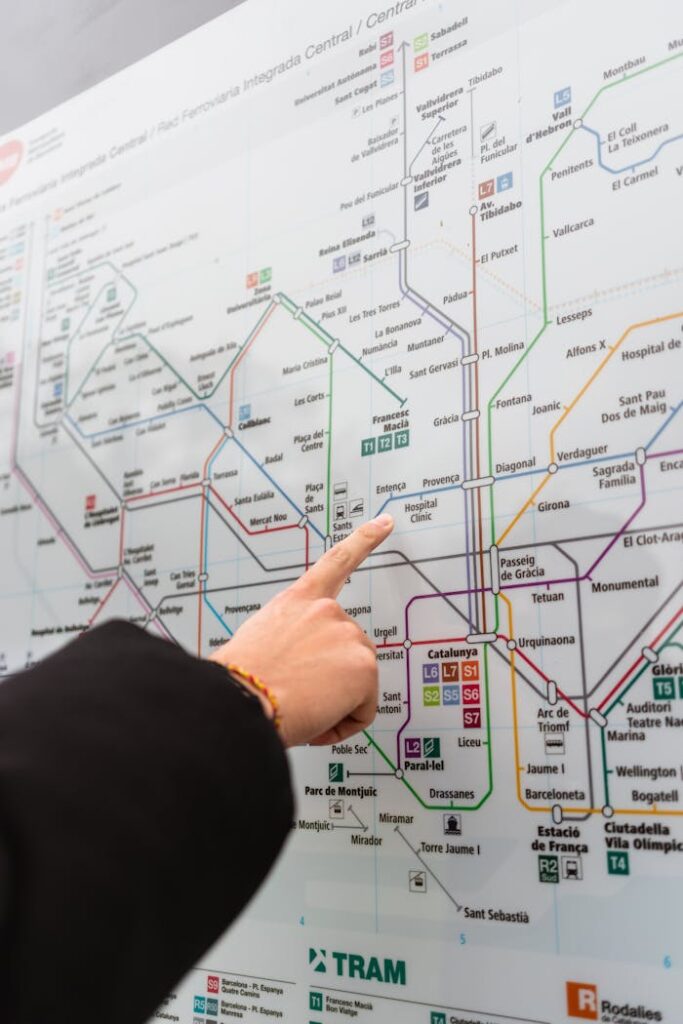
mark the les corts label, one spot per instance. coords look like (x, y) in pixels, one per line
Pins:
(10, 157)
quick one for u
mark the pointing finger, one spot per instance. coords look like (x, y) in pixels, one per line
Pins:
(327, 577)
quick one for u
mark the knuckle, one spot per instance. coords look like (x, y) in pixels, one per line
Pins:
(328, 607)
(339, 557)
(367, 659)
(368, 532)
(351, 631)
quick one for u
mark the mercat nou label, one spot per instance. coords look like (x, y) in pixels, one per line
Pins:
(353, 965)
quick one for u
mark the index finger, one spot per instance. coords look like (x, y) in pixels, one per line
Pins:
(327, 577)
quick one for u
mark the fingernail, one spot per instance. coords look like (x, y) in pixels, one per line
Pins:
(384, 520)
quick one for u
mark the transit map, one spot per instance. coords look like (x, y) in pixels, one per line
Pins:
(315, 262)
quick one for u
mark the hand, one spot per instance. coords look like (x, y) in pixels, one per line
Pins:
(317, 661)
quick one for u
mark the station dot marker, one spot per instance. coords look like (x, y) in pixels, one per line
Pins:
(399, 773)
(473, 210)
(407, 644)
(578, 123)
(552, 468)
(608, 811)
(511, 645)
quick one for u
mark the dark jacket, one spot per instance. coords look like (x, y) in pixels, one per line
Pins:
(132, 776)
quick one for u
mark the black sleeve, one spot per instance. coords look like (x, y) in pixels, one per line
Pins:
(143, 799)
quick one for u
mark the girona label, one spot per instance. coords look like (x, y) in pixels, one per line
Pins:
(10, 157)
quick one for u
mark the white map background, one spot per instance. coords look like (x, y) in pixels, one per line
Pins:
(428, 262)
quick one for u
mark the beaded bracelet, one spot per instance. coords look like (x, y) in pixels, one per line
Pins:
(258, 684)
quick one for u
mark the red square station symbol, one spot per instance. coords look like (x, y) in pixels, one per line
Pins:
(212, 983)
(470, 694)
(582, 1000)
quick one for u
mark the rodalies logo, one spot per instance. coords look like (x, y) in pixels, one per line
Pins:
(582, 1000)
(353, 965)
(10, 157)
(584, 1003)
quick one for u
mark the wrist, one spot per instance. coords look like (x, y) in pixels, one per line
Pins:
(256, 687)
(266, 706)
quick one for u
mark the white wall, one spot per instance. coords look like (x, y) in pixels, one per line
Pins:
(52, 49)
